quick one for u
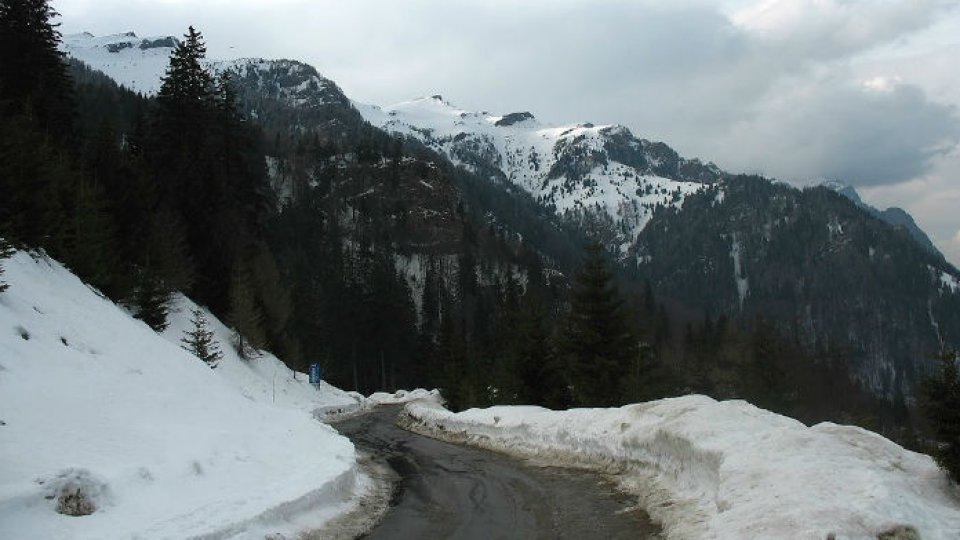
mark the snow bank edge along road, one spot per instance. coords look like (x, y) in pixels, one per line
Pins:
(405, 396)
(165, 447)
(708, 469)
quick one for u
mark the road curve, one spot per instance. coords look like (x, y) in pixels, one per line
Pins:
(451, 491)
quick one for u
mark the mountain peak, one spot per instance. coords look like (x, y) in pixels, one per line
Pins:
(134, 62)
(846, 190)
(514, 118)
(896, 217)
(436, 100)
(295, 82)
(580, 172)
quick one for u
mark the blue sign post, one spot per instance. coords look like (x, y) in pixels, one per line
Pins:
(314, 373)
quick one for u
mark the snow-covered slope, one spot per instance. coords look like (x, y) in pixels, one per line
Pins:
(265, 379)
(721, 470)
(140, 64)
(582, 172)
(134, 62)
(164, 447)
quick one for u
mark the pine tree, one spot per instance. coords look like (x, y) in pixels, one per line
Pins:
(244, 313)
(178, 140)
(5, 252)
(599, 343)
(34, 75)
(32, 177)
(200, 342)
(533, 355)
(165, 247)
(209, 167)
(941, 405)
(226, 98)
(764, 380)
(91, 250)
(451, 363)
(240, 172)
(150, 299)
(187, 86)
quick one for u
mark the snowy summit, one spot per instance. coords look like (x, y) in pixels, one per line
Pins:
(579, 171)
(134, 62)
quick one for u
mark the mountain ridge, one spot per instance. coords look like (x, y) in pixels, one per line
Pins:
(894, 215)
(594, 176)
(579, 184)
(713, 242)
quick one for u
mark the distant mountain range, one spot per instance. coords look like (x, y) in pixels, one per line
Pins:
(833, 272)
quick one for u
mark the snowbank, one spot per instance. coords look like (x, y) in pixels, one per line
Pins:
(405, 396)
(708, 469)
(99, 414)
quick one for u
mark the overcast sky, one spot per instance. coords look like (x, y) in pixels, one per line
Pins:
(864, 91)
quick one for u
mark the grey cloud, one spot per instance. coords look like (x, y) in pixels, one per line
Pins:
(785, 103)
(891, 137)
(799, 30)
(833, 130)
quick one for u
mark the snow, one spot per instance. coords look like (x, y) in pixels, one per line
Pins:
(139, 64)
(950, 282)
(946, 281)
(709, 469)
(281, 181)
(265, 379)
(137, 69)
(164, 446)
(740, 278)
(527, 150)
(405, 396)
(720, 196)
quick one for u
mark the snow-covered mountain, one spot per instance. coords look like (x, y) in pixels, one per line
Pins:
(134, 62)
(600, 177)
(594, 175)
(140, 63)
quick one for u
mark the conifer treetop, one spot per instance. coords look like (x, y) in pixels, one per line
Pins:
(186, 79)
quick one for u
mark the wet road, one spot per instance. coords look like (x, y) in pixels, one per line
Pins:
(451, 491)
